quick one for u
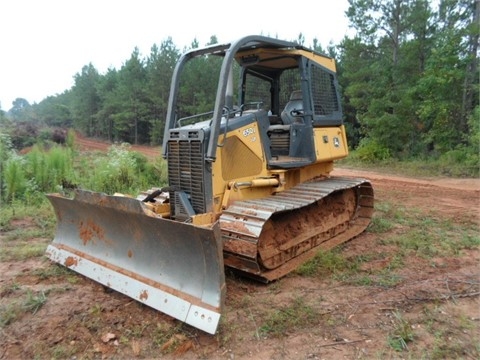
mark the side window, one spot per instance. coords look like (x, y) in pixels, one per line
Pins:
(289, 82)
(324, 95)
(257, 92)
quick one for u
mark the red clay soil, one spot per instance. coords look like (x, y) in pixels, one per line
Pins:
(435, 298)
(85, 143)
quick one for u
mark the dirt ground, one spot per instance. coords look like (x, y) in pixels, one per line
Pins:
(436, 298)
(84, 143)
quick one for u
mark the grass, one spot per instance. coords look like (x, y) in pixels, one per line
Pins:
(401, 334)
(399, 234)
(326, 263)
(34, 301)
(453, 336)
(429, 237)
(407, 233)
(52, 271)
(40, 216)
(29, 302)
(279, 322)
(412, 167)
(26, 230)
(22, 251)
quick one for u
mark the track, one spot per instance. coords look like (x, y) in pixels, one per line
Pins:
(354, 319)
(268, 238)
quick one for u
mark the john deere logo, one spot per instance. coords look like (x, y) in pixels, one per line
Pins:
(336, 142)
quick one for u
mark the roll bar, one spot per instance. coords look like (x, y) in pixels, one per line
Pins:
(228, 51)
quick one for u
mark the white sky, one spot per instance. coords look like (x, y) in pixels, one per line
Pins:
(44, 43)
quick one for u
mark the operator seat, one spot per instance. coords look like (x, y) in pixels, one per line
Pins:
(279, 135)
(295, 104)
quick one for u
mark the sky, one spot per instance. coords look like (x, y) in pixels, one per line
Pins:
(44, 43)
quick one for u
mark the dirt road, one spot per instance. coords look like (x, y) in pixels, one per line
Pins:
(387, 289)
(84, 143)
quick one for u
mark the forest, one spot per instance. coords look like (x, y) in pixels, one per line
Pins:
(409, 81)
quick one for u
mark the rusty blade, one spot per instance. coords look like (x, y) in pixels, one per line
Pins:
(176, 268)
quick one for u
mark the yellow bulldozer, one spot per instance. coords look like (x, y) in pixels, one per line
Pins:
(249, 186)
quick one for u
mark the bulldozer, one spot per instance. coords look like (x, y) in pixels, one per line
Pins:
(249, 185)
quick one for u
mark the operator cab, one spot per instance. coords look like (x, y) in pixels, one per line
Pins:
(299, 95)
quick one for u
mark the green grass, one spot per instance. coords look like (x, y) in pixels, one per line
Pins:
(413, 167)
(424, 236)
(402, 332)
(403, 232)
(29, 301)
(40, 215)
(454, 337)
(9, 313)
(34, 301)
(326, 263)
(429, 237)
(296, 315)
(26, 230)
(45, 169)
(22, 251)
(52, 271)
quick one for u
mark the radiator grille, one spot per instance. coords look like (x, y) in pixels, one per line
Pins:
(186, 172)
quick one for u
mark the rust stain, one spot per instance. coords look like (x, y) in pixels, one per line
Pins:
(130, 253)
(144, 295)
(71, 261)
(88, 230)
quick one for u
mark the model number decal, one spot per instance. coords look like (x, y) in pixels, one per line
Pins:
(248, 131)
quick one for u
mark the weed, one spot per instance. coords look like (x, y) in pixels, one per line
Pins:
(455, 336)
(325, 262)
(9, 289)
(41, 216)
(296, 315)
(14, 177)
(465, 323)
(380, 225)
(228, 329)
(138, 330)
(24, 234)
(165, 337)
(401, 334)
(445, 349)
(9, 313)
(22, 251)
(60, 351)
(73, 278)
(364, 280)
(34, 302)
(469, 241)
(388, 279)
(430, 237)
(53, 270)
(96, 310)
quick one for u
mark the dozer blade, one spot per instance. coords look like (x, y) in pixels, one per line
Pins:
(176, 268)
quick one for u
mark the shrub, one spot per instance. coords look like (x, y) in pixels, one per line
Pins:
(59, 136)
(24, 134)
(370, 150)
(14, 177)
(117, 172)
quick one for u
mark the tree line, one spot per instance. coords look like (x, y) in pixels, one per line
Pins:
(409, 81)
